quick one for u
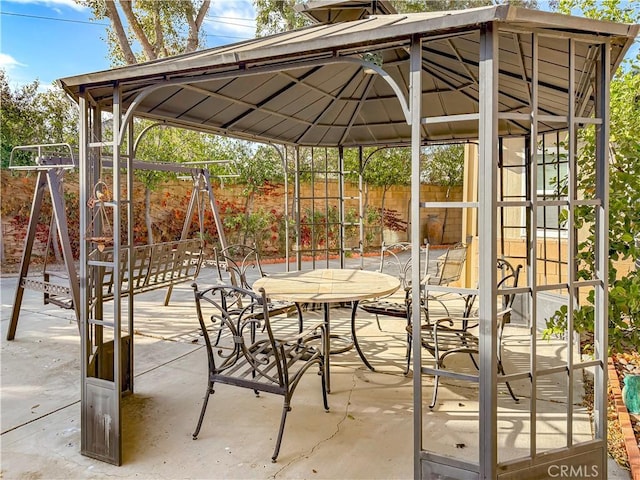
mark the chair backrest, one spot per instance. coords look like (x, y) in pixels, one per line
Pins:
(507, 279)
(236, 261)
(235, 330)
(449, 265)
(395, 260)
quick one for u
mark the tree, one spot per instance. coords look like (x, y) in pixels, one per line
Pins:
(172, 145)
(385, 168)
(275, 16)
(29, 116)
(443, 165)
(414, 6)
(624, 214)
(257, 169)
(154, 28)
(612, 10)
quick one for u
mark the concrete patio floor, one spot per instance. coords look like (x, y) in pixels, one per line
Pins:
(366, 434)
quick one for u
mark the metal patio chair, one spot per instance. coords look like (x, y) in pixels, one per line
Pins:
(242, 357)
(446, 336)
(395, 259)
(237, 264)
(443, 270)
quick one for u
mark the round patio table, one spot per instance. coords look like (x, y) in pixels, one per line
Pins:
(327, 286)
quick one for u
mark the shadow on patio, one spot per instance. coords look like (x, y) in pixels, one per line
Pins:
(368, 432)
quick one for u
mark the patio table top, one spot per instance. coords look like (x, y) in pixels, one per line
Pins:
(331, 285)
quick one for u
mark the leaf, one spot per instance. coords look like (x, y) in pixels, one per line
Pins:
(627, 237)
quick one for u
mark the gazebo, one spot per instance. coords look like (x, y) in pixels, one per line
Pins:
(503, 77)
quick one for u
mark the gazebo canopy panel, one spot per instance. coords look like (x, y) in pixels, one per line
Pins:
(310, 86)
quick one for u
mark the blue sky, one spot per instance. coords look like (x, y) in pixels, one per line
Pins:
(51, 39)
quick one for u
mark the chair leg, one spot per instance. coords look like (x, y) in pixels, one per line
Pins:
(285, 409)
(501, 372)
(209, 392)
(408, 355)
(513, 395)
(436, 382)
(435, 391)
(475, 363)
(378, 322)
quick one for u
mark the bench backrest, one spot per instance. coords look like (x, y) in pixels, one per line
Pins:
(154, 266)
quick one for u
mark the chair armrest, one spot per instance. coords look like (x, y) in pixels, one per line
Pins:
(505, 315)
(447, 324)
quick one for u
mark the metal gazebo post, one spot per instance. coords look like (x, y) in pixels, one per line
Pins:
(487, 183)
(415, 108)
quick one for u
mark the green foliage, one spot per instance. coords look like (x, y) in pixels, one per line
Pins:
(624, 194)
(320, 229)
(385, 168)
(443, 165)
(388, 167)
(152, 28)
(413, 6)
(623, 11)
(275, 16)
(175, 145)
(252, 227)
(624, 215)
(314, 162)
(31, 116)
(257, 168)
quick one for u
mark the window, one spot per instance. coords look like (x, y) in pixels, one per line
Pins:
(551, 189)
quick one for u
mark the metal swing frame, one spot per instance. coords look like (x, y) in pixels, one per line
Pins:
(155, 266)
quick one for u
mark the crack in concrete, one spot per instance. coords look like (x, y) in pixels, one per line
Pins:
(324, 440)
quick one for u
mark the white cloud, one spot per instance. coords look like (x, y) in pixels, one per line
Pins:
(17, 76)
(8, 62)
(53, 4)
(16, 73)
(232, 18)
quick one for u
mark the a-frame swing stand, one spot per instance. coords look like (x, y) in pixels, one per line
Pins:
(50, 173)
(156, 266)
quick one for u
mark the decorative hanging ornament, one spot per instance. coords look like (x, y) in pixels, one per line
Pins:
(99, 230)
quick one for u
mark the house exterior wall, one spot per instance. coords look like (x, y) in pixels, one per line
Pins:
(554, 248)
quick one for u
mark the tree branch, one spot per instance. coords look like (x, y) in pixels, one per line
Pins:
(137, 29)
(121, 35)
(193, 41)
(160, 48)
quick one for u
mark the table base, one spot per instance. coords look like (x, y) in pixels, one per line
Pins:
(353, 342)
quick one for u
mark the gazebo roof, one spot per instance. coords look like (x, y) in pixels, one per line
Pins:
(310, 86)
